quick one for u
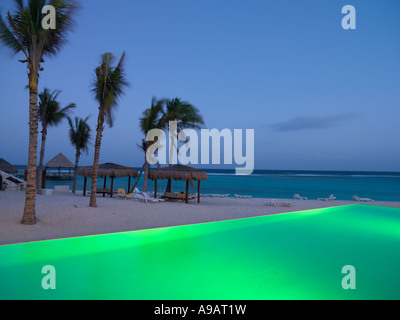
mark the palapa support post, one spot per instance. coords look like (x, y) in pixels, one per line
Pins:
(187, 191)
(84, 186)
(112, 186)
(109, 170)
(43, 179)
(155, 188)
(178, 172)
(169, 187)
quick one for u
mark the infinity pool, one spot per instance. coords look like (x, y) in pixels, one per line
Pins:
(288, 256)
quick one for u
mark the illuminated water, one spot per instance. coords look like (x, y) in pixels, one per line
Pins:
(289, 256)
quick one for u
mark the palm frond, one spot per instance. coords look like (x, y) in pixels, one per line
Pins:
(23, 32)
(186, 115)
(108, 85)
(50, 112)
(8, 38)
(80, 133)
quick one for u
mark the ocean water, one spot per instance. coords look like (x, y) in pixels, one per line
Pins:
(383, 186)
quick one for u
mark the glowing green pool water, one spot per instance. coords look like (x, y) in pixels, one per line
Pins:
(290, 256)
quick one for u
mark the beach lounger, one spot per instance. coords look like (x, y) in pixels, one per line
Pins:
(298, 197)
(151, 199)
(272, 202)
(238, 196)
(137, 197)
(286, 204)
(221, 195)
(122, 195)
(331, 198)
(177, 196)
(357, 198)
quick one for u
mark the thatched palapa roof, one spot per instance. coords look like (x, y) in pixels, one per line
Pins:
(7, 167)
(178, 172)
(59, 161)
(110, 170)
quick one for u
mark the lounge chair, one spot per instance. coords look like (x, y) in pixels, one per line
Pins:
(272, 202)
(177, 196)
(138, 197)
(238, 196)
(122, 194)
(331, 198)
(151, 199)
(221, 195)
(298, 197)
(357, 198)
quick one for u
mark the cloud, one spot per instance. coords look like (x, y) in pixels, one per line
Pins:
(311, 122)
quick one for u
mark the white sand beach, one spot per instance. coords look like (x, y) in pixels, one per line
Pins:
(64, 215)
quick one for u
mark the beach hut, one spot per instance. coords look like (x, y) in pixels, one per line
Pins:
(179, 172)
(7, 167)
(59, 162)
(108, 170)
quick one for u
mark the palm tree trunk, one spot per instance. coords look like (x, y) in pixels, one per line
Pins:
(137, 180)
(146, 175)
(29, 216)
(41, 159)
(77, 155)
(97, 147)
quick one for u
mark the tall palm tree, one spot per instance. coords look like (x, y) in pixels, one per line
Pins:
(79, 134)
(108, 86)
(22, 33)
(151, 119)
(186, 115)
(50, 115)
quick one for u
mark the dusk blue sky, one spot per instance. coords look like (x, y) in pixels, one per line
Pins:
(318, 97)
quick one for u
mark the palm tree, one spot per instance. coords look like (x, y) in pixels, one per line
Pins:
(150, 120)
(107, 87)
(50, 114)
(22, 32)
(186, 115)
(79, 135)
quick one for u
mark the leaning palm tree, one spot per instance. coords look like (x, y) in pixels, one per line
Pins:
(22, 33)
(50, 115)
(79, 134)
(108, 86)
(186, 115)
(151, 119)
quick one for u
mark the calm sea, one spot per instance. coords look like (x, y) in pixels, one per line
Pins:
(384, 186)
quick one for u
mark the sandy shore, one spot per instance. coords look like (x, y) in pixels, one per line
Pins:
(64, 215)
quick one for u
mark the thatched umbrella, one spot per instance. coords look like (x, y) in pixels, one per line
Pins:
(108, 170)
(60, 162)
(7, 167)
(179, 172)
